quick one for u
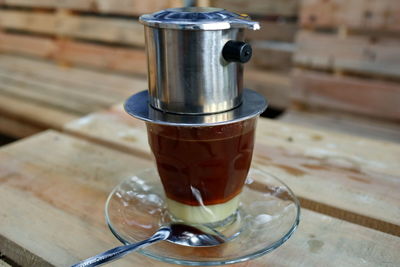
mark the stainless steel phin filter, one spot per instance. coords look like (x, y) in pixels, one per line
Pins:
(195, 68)
(187, 70)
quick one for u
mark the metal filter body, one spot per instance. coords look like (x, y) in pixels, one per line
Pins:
(187, 73)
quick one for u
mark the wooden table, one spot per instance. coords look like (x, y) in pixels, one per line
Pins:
(36, 95)
(53, 187)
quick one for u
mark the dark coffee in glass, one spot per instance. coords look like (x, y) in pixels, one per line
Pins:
(203, 169)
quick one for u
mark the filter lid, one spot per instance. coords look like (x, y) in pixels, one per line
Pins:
(198, 18)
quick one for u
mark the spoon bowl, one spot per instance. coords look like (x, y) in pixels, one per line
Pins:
(178, 233)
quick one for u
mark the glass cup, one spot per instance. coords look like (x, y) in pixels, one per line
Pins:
(203, 169)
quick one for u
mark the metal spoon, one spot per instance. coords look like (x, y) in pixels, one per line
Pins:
(177, 233)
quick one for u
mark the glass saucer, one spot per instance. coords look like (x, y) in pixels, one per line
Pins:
(267, 216)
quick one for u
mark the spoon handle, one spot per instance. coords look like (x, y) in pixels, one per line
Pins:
(118, 252)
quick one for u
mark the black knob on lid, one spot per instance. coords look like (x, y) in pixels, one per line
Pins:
(236, 51)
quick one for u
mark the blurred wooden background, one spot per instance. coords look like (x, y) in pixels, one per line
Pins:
(326, 63)
(347, 59)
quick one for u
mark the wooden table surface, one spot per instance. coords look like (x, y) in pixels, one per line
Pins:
(36, 94)
(53, 187)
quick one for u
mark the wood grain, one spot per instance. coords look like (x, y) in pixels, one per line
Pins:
(259, 7)
(360, 54)
(114, 30)
(272, 55)
(117, 59)
(125, 7)
(330, 170)
(53, 95)
(21, 117)
(135, 7)
(45, 221)
(28, 21)
(73, 4)
(18, 129)
(56, 182)
(357, 14)
(111, 85)
(351, 173)
(273, 30)
(275, 86)
(344, 122)
(69, 52)
(64, 24)
(359, 95)
(32, 100)
(27, 45)
(27, 112)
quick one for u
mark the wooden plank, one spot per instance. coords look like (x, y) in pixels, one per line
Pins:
(27, 45)
(127, 7)
(272, 55)
(71, 196)
(347, 123)
(359, 177)
(96, 80)
(27, 21)
(32, 100)
(73, 4)
(273, 85)
(132, 137)
(114, 30)
(68, 89)
(259, 7)
(17, 129)
(273, 30)
(350, 177)
(135, 7)
(356, 14)
(76, 53)
(102, 83)
(361, 54)
(51, 95)
(28, 112)
(79, 193)
(116, 59)
(371, 97)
